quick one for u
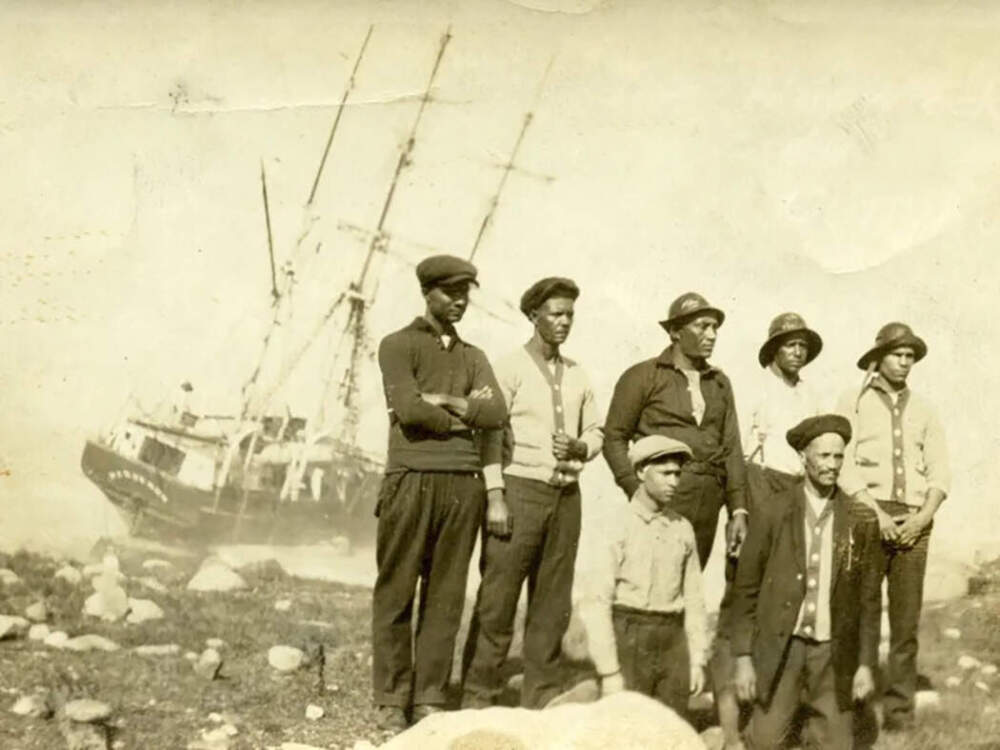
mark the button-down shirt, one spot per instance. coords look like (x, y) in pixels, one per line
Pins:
(776, 408)
(652, 398)
(415, 360)
(898, 451)
(539, 405)
(647, 560)
(822, 554)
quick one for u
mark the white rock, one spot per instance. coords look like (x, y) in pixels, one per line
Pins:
(90, 642)
(216, 717)
(154, 563)
(926, 700)
(215, 643)
(87, 711)
(143, 610)
(12, 626)
(989, 669)
(208, 664)
(230, 730)
(158, 649)
(8, 577)
(314, 712)
(980, 685)
(969, 662)
(39, 632)
(108, 603)
(283, 605)
(69, 574)
(37, 612)
(56, 639)
(713, 738)
(34, 706)
(952, 633)
(152, 584)
(953, 682)
(623, 720)
(215, 575)
(285, 658)
(212, 739)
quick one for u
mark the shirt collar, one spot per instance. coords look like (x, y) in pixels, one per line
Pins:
(642, 506)
(666, 359)
(534, 347)
(420, 323)
(880, 384)
(775, 373)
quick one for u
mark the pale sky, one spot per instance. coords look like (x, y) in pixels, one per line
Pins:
(837, 160)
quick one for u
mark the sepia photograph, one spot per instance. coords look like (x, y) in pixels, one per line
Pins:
(499, 375)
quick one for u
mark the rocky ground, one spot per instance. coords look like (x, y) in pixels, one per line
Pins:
(142, 650)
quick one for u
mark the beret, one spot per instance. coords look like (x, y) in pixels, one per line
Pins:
(690, 305)
(892, 336)
(653, 446)
(445, 269)
(541, 290)
(812, 427)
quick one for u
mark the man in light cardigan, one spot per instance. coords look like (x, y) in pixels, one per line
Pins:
(533, 503)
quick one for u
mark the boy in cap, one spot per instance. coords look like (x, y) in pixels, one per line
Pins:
(899, 468)
(532, 529)
(645, 609)
(440, 392)
(804, 618)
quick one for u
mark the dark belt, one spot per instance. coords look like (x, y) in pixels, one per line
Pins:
(705, 468)
(648, 614)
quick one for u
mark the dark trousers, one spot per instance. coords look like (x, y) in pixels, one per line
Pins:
(699, 498)
(542, 550)
(427, 527)
(904, 568)
(653, 655)
(806, 681)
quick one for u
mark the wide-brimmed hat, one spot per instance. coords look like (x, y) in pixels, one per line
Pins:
(687, 306)
(892, 336)
(784, 326)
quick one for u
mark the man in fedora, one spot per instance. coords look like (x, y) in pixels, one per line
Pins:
(440, 392)
(806, 601)
(899, 468)
(532, 529)
(680, 395)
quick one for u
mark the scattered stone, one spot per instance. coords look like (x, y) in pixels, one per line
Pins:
(12, 626)
(926, 700)
(155, 563)
(69, 574)
(160, 649)
(143, 610)
(980, 685)
(37, 612)
(215, 643)
(153, 585)
(516, 682)
(215, 575)
(56, 639)
(208, 664)
(969, 662)
(953, 682)
(953, 633)
(214, 739)
(39, 632)
(314, 712)
(216, 717)
(989, 669)
(90, 642)
(8, 577)
(37, 706)
(109, 602)
(333, 688)
(83, 723)
(285, 658)
(191, 656)
(283, 605)
(87, 711)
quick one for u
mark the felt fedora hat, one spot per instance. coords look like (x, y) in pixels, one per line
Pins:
(688, 306)
(783, 327)
(892, 336)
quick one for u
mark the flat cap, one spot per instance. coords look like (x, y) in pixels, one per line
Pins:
(553, 286)
(892, 336)
(445, 269)
(812, 427)
(688, 306)
(646, 449)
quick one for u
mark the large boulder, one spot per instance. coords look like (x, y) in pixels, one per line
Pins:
(12, 626)
(625, 721)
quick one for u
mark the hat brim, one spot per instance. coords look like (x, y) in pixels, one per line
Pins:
(678, 452)
(682, 319)
(877, 352)
(814, 344)
(456, 279)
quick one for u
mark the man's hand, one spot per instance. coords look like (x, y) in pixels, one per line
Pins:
(736, 533)
(611, 684)
(864, 683)
(887, 526)
(455, 405)
(911, 529)
(564, 447)
(485, 393)
(499, 522)
(697, 679)
(434, 399)
(746, 680)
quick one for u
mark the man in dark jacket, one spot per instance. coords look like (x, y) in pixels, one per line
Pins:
(806, 602)
(440, 391)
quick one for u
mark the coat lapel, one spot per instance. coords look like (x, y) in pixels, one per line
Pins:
(841, 534)
(796, 517)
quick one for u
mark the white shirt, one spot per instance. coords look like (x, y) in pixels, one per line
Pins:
(777, 407)
(817, 503)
